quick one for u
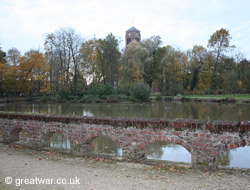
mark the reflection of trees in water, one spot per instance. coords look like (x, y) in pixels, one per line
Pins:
(105, 145)
(24, 137)
(224, 158)
(155, 150)
(1, 135)
(156, 109)
(59, 141)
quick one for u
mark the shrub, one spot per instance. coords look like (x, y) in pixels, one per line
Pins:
(71, 97)
(89, 100)
(123, 97)
(84, 99)
(158, 98)
(100, 91)
(112, 100)
(99, 100)
(140, 91)
(63, 95)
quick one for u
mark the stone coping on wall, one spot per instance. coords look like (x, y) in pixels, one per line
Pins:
(177, 124)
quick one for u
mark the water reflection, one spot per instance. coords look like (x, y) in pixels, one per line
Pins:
(238, 157)
(1, 135)
(102, 145)
(59, 141)
(168, 151)
(193, 110)
(24, 137)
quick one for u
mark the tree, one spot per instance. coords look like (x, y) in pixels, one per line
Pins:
(32, 67)
(2, 62)
(133, 60)
(159, 66)
(2, 56)
(170, 78)
(108, 57)
(219, 43)
(29, 74)
(9, 80)
(13, 56)
(63, 54)
(152, 44)
(74, 44)
(91, 67)
(231, 82)
(244, 75)
(198, 56)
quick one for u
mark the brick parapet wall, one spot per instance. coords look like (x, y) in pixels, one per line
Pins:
(214, 126)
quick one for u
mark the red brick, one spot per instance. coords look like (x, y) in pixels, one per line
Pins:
(248, 127)
(242, 126)
(232, 146)
(160, 138)
(175, 124)
(208, 136)
(202, 135)
(159, 133)
(180, 124)
(209, 126)
(195, 134)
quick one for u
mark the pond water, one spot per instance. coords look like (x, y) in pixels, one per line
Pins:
(239, 157)
(193, 110)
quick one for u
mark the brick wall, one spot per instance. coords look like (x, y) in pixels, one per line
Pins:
(205, 140)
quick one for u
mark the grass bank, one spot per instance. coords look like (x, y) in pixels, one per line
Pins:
(227, 98)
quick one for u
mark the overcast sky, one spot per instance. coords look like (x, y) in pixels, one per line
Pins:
(180, 23)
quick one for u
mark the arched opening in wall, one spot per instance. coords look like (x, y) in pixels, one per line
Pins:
(24, 137)
(168, 152)
(238, 157)
(20, 136)
(105, 146)
(1, 136)
(59, 141)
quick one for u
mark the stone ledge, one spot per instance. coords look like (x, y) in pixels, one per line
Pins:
(215, 126)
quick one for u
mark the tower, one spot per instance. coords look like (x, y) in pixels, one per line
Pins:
(133, 34)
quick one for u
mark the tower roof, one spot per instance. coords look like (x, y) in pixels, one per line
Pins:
(132, 29)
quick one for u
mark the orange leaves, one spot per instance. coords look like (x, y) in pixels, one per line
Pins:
(17, 78)
(239, 83)
(31, 67)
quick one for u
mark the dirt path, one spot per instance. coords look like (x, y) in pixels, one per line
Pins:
(31, 166)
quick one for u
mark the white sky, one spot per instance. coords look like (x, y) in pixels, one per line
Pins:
(180, 23)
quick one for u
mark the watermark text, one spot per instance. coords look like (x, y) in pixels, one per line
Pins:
(42, 181)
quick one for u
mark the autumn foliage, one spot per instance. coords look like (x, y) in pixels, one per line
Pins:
(29, 73)
(69, 63)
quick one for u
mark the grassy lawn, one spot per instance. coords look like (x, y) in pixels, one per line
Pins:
(214, 96)
(221, 96)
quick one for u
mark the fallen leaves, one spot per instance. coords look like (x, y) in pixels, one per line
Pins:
(16, 146)
(51, 153)
(92, 160)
